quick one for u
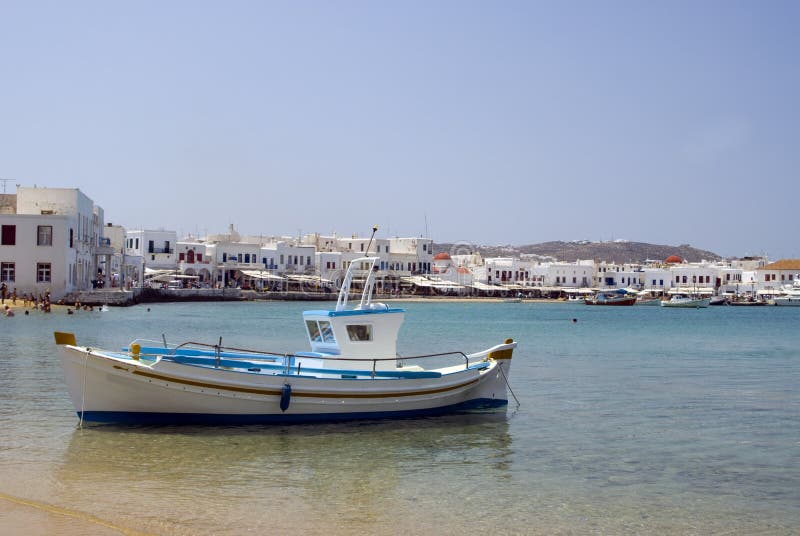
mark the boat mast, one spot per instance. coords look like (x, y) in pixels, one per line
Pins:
(344, 292)
(366, 295)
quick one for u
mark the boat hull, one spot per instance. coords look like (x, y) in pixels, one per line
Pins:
(110, 388)
(787, 301)
(612, 302)
(687, 304)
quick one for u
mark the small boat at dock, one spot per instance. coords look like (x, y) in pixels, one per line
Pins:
(790, 294)
(615, 297)
(686, 301)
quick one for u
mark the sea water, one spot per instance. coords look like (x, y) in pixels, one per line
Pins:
(630, 420)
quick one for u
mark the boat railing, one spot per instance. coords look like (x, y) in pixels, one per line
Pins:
(286, 358)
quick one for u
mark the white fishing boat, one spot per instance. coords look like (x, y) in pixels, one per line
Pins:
(790, 295)
(352, 371)
(685, 300)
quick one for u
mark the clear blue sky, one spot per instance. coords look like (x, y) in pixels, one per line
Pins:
(496, 122)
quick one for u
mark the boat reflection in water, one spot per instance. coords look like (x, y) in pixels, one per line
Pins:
(201, 479)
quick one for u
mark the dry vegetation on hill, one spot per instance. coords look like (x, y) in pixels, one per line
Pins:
(617, 251)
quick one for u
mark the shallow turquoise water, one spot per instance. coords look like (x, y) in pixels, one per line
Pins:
(632, 420)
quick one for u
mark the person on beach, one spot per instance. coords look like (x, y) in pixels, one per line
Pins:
(14, 296)
(8, 311)
(3, 291)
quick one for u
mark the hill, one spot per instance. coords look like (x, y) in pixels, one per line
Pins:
(616, 251)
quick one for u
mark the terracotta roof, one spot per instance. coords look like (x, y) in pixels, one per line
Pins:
(783, 264)
(441, 257)
(673, 259)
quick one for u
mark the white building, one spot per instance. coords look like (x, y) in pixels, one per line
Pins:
(579, 274)
(776, 275)
(50, 241)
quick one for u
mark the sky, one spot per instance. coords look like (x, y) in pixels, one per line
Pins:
(486, 122)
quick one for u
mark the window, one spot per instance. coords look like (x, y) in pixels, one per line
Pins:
(7, 272)
(320, 332)
(327, 331)
(137, 244)
(281, 259)
(151, 246)
(71, 238)
(199, 257)
(308, 260)
(360, 332)
(313, 331)
(166, 246)
(43, 272)
(9, 235)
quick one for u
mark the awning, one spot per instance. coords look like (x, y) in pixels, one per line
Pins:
(310, 279)
(420, 281)
(257, 274)
(153, 271)
(171, 276)
(585, 291)
(483, 286)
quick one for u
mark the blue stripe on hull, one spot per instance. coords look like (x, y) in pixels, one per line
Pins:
(124, 417)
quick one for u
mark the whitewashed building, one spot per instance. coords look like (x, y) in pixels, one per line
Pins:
(50, 241)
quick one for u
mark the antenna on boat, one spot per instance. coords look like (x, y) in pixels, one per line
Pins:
(374, 230)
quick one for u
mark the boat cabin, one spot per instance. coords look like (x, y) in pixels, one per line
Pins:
(366, 332)
(360, 334)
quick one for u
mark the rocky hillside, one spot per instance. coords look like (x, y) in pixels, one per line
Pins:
(616, 251)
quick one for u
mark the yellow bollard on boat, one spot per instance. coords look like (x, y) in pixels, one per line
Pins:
(135, 351)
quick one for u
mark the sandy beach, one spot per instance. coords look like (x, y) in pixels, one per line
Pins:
(22, 516)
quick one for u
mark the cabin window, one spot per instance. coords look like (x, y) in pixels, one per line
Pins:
(360, 332)
(313, 331)
(327, 331)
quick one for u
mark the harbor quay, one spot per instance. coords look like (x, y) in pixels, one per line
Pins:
(56, 243)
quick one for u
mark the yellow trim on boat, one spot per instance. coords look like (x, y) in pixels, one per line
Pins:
(502, 354)
(64, 338)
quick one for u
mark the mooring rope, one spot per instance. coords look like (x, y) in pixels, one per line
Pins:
(500, 366)
(83, 391)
